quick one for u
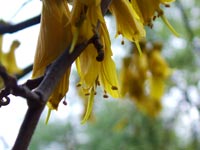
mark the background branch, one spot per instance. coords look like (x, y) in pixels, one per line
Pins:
(25, 71)
(9, 28)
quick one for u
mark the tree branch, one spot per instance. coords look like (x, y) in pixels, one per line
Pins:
(25, 71)
(9, 28)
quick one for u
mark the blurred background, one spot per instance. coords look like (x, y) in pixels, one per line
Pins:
(172, 123)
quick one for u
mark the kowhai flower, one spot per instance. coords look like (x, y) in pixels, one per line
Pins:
(143, 78)
(8, 60)
(93, 73)
(149, 10)
(54, 37)
(128, 22)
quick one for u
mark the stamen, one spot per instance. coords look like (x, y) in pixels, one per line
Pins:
(87, 94)
(97, 82)
(65, 102)
(78, 84)
(105, 96)
(167, 5)
(154, 18)
(114, 88)
(122, 42)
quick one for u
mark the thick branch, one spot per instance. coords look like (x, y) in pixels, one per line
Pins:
(8, 28)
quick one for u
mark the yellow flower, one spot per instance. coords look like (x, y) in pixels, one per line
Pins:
(160, 71)
(84, 18)
(143, 78)
(134, 75)
(149, 106)
(157, 65)
(128, 22)
(55, 36)
(12, 67)
(93, 73)
(8, 60)
(147, 9)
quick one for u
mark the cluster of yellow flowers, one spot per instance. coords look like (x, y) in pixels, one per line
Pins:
(143, 78)
(62, 27)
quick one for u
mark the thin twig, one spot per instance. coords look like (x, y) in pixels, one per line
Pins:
(9, 28)
(25, 71)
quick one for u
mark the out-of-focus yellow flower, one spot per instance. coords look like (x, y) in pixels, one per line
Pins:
(160, 72)
(134, 74)
(149, 106)
(12, 67)
(148, 10)
(55, 36)
(157, 64)
(8, 60)
(143, 79)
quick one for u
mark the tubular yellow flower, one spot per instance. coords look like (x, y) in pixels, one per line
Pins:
(160, 72)
(8, 59)
(149, 106)
(158, 65)
(147, 9)
(55, 36)
(143, 78)
(12, 67)
(128, 22)
(84, 18)
(133, 75)
(92, 71)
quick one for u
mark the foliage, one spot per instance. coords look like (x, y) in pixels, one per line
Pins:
(117, 125)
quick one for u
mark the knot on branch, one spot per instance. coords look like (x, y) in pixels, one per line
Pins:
(98, 45)
(4, 101)
(25, 90)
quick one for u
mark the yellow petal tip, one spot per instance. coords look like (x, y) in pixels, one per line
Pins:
(170, 26)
